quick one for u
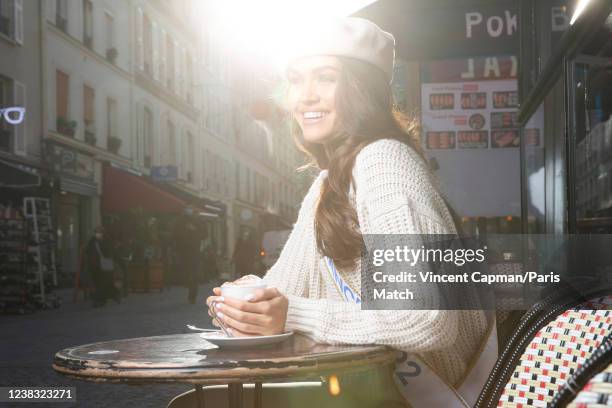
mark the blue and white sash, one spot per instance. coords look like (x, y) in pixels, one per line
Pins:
(416, 381)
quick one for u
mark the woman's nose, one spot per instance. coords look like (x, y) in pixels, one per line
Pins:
(309, 92)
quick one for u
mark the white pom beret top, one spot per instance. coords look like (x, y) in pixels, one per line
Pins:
(349, 37)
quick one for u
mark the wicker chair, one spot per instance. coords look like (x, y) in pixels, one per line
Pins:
(553, 339)
(591, 385)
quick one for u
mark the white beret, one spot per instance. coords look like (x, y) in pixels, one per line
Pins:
(350, 37)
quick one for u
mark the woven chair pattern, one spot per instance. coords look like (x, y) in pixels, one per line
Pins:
(596, 394)
(555, 352)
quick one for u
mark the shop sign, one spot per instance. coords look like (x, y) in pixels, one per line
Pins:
(457, 31)
(68, 161)
(470, 69)
(164, 173)
(460, 29)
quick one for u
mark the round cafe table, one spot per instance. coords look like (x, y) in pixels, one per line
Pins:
(190, 359)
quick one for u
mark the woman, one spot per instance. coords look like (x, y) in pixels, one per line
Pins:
(373, 181)
(100, 262)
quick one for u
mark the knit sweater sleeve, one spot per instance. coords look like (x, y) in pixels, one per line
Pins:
(297, 261)
(394, 196)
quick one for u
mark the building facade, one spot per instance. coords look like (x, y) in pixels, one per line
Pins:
(144, 87)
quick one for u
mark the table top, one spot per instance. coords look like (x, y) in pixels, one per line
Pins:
(189, 358)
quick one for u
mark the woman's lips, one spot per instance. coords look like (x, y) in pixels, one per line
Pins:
(313, 120)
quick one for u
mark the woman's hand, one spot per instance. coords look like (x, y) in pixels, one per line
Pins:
(264, 314)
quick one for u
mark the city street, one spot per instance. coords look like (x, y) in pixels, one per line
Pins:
(28, 343)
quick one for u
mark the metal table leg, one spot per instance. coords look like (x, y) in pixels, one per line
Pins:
(199, 395)
(257, 397)
(234, 392)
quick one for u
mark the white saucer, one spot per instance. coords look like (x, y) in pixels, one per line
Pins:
(218, 338)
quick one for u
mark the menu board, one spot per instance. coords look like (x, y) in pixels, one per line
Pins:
(480, 114)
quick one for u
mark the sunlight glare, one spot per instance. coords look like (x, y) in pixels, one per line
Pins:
(270, 28)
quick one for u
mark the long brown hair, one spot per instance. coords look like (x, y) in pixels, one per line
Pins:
(365, 112)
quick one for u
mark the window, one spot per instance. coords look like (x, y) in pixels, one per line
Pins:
(207, 169)
(109, 29)
(12, 136)
(89, 114)
(189, 76)
(170, 62)
(238, 195)
(11, 19)
(226, 175)
(6, 99)
(139, 39)
(162, 56)
(189, 157)
(204, 172)
(171, 143)
(62, 82)
(61, 14)
(88, 23)
(216, 173)
(111, 123)
(248, 185)
(6, 17)
(148, 137)
(148, 45)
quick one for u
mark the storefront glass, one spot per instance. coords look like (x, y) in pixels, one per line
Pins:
(592, 143)
(544, 164)
(71, 234)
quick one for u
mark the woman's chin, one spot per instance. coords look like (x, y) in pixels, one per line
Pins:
(316, 137)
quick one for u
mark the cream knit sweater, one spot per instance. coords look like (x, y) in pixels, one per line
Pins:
(394, 194)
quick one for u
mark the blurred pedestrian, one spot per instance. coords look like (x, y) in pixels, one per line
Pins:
(187, 239)
(209, 260)
(245, 255)
(100, 261)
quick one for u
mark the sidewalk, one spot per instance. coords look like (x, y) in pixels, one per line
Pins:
(28, 343)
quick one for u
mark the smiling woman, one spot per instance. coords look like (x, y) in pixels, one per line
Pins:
(373, 180)
(312, 96)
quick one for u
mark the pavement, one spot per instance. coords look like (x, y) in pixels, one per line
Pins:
(28, 343)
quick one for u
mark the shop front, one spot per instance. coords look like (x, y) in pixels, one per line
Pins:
(212, 215)
(143, 219)
(75, 201)
(566, 119)
(26, 281)
(465, 87)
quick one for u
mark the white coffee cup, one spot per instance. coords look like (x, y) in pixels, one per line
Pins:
(241, 291)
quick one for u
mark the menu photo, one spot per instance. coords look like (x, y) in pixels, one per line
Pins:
(505, 99)
(504, 120)
(505, 138)
(473, 139)
(441, 101)
(473, 100)
(440, 140)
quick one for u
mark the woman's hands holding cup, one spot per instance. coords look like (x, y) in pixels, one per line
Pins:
(263, 313)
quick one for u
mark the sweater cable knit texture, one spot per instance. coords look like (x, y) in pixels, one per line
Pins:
(393, 193)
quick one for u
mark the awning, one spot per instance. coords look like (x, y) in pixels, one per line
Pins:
(274, 222)
(209, 208)
(124, 191)
(18, 176)
(81, 187)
